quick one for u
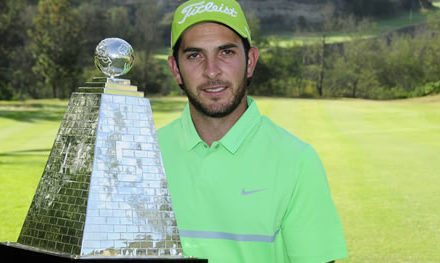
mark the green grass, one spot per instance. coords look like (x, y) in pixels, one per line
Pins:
(382, 160)
(290, 40)
(162, 54)
(383, 163)
(27, 131)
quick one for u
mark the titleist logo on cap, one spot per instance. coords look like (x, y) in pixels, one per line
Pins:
(201, 7)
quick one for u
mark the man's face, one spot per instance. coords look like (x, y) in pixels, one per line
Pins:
(213, 69)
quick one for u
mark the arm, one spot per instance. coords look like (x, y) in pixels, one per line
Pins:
(311, 227)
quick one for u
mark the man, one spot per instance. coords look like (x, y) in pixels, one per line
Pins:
(242, 188)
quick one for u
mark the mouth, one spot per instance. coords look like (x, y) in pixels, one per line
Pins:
(215, 89)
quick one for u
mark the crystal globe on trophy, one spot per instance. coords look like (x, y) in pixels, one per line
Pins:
(103, 194)
(114, 57)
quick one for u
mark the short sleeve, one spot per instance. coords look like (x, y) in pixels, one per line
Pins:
(311, 228)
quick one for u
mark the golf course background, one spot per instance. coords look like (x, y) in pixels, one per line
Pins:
(382, 160)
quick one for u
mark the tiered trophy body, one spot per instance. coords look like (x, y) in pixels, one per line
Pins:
(103, 193)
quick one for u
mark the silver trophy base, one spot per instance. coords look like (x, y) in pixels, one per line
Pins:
(111, 86)
(15, 252)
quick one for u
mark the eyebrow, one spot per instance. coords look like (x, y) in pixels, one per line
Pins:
(191, 49)
(222, 47)
(227, 46)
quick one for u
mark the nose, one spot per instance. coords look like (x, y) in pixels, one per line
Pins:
(212, 69)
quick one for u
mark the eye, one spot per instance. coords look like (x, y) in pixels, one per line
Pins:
(192, 55)
(228, 52)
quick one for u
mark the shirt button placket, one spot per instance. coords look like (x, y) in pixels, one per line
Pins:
(206, 165)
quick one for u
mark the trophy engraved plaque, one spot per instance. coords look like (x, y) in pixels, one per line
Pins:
(103, 194)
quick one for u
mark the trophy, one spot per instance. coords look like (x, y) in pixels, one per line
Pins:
(113, 57)
(103, 194)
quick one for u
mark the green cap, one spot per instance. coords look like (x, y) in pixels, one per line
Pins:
(227, 12)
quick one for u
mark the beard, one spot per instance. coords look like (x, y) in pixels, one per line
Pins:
(222, 110)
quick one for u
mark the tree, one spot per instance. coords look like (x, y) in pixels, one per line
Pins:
(118, 23)
(149, 72)
(146, 26)
(279, 73)
(431, 52)
(151, 75)
(12, 42)
(255, 27)
(402, 68)
(93, 21)
(54, 45)
(328, 24)
(352, 71)
(354, 74)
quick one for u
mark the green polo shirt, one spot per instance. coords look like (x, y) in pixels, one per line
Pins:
(257, 195)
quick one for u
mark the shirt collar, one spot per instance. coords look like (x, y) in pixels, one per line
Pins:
(233, 138)
(191, 137)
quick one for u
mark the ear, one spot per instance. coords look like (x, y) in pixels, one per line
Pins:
(174, 68)
(252, 61)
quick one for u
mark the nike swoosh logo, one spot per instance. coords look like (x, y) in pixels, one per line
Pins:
(250, 192)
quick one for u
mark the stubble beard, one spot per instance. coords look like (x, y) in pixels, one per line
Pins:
(219, 111)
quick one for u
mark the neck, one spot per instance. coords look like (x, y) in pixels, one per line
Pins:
(212, 129)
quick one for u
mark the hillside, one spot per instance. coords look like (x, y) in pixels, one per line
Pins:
(292, 14)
